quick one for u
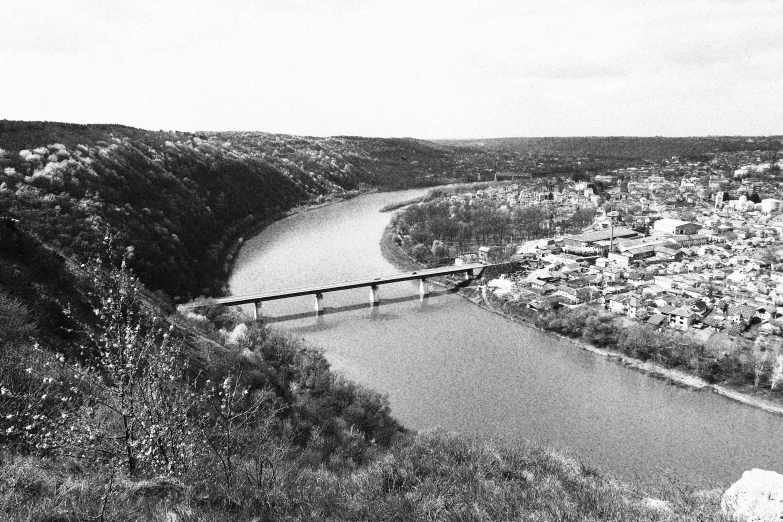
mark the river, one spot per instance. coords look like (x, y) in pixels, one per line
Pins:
(444, 362)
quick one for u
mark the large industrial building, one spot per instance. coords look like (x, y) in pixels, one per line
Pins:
(675, 227)
(597, 242)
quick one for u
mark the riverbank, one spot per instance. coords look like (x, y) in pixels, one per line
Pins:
(395, 255)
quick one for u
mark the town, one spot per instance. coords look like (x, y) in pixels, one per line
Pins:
(676, 244)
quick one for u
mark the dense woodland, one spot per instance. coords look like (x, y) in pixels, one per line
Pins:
(435, 228)
(116, 407)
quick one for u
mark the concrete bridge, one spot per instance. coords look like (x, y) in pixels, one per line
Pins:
(319, 290)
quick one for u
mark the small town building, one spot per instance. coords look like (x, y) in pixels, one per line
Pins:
(466, 259)
(635, 306)
(618, 304)
(681, 318)
(574, 295)
(490, 254)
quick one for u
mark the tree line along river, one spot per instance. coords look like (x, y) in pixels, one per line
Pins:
(446, 363)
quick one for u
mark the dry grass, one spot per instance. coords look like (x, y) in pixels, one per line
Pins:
(427, 477)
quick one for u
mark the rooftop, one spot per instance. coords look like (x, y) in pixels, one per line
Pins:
(671, 222)
(600, 235)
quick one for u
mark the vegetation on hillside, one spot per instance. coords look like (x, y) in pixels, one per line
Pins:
(179, 198)
(222, 415)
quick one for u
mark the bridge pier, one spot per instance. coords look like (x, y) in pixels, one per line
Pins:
(375, 298)
(257, 312)
(424, 288)
(468, 274)
(319, 304)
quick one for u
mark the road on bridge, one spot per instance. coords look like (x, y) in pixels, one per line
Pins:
(345, 285)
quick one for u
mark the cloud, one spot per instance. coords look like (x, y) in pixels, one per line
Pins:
(374, 67)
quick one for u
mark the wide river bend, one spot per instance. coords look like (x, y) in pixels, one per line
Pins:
(445, 362)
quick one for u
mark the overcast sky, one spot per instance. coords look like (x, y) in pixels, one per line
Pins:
(451, 69)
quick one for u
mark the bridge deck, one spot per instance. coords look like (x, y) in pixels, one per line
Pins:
(345, 285)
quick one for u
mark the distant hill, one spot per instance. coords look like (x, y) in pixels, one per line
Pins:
(626, 147)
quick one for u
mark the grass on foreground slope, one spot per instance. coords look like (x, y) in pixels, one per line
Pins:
(432, 476)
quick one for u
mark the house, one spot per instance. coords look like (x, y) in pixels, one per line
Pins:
(665, 281)
(466, 259)
(653, 290)
(670, 254)
(699, 308)
(491, 254)
(681, 318)
(613, 274)
(657, 319)
(737, 328)
(618, 304)
(766, 313)
(714, 320)
(537, 283)
(685, 241)
(574, 295)
(632, 254)
(738, 313)
(635, 307)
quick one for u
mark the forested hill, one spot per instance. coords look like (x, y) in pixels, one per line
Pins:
(622, 147)
(181, 198)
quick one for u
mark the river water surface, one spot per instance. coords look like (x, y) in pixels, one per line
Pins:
(447, 363)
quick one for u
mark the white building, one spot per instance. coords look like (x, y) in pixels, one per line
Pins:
(675, 227)
(770, 205)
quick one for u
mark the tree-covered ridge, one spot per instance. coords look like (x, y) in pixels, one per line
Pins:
(349, 161)
(177, 201)
(180, 198)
